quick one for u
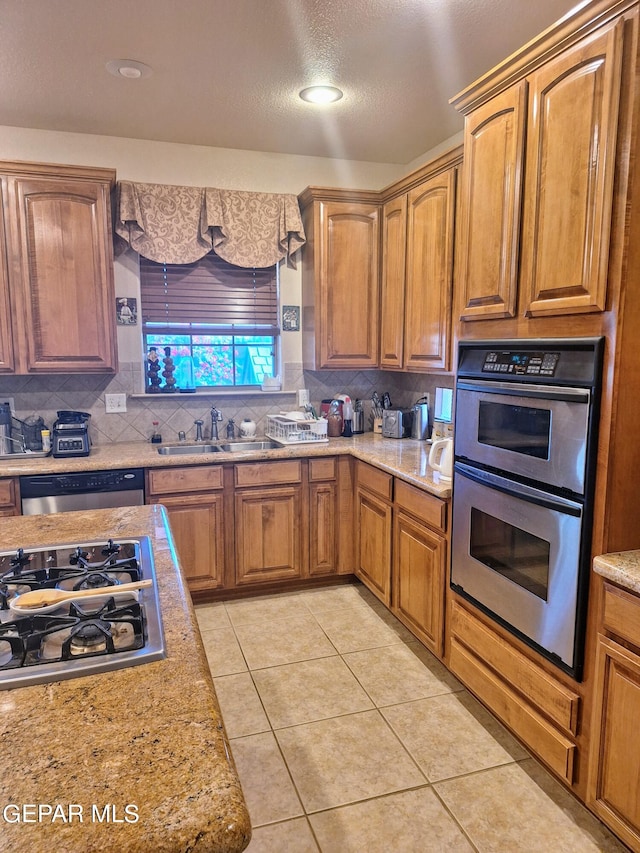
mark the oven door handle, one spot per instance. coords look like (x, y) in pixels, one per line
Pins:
(546, 392)
(518, 490)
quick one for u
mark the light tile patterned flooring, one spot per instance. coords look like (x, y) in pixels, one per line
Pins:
(350, 737)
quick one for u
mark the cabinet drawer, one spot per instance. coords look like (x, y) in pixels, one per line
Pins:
(7, 493)
(374, 480)
(426, 507)
(268, 473)
(550, 744)
(322, 469)
(168, 481)
(556, 701)
(621, 613)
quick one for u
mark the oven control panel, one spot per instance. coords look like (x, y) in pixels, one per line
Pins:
(521, 363)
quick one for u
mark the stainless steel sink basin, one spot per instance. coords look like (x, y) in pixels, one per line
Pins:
(236, 446)
(185, 449)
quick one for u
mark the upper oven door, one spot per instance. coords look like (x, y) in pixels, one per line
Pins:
(533, 431)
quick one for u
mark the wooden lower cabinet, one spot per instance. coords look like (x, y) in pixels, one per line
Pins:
(374, 490)
(268, 534)
(419, 566)
(197, 524)
(373, 567)
(257, 523)
(9, 497)
(539, 709)
(199, 520)
(614, 755)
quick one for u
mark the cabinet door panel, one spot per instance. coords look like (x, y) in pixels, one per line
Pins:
(373, 565)
(419, 580)
(268, 534)
(322, 528)
(62, 230)
(350, 288)
(198, 529)
(614, 760)
(430, 232)
(571, 146)
(394, 237)
(7, 362)
(491, 200)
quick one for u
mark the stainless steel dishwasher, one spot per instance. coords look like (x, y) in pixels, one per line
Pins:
(48, 493)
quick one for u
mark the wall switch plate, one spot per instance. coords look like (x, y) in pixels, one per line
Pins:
(303, 397)
(115, 403)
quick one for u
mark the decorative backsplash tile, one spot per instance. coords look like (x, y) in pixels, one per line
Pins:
(45, 395)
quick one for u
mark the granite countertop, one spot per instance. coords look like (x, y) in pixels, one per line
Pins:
(405, 458)
(622, 568)
(144, 742)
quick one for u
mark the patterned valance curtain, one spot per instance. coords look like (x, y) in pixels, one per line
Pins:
(179, 225)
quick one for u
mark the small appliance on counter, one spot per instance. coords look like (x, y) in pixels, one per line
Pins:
(443, 414)
(420, 426)
(6, 446)
(71, 434)
(396, 423)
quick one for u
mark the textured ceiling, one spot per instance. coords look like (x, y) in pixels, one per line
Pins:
(226, 73)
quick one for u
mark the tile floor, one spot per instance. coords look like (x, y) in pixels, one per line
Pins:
(350, 737)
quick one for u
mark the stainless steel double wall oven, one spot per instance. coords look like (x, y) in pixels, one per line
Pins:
(525, 456)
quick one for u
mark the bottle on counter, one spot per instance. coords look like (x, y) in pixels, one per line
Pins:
(156, 438)
(46, 440)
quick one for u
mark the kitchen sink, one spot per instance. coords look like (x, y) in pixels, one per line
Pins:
(236, 446)
(185, 449)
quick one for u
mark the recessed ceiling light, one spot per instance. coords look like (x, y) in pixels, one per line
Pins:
(321, 94)
(128, 68)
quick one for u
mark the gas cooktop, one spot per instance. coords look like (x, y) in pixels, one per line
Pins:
(84, 636)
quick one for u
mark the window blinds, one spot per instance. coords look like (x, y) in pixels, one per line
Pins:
(211, 296)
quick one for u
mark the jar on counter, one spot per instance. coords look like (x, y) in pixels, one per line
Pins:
(334, 420)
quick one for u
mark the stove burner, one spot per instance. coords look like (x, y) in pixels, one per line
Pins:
(78, 556)
(110, 549)
(87, 635)
(94, 580)
(19, 561)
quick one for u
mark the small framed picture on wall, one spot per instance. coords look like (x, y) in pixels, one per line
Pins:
(290, 318)
(126, 310)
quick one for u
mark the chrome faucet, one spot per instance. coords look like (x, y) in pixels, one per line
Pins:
(198, 425)
(215, 417)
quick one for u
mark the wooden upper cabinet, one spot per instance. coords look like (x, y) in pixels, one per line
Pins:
(394, 246)
(430, 241)
(418, 230)
(7, 363)
(340, 282)
(60, 268)
(571, 148)
(490, 205)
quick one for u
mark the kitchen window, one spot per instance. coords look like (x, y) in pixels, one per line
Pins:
(220, 321)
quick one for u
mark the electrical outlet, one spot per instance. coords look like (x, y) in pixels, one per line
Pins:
(115, 403)
(11, 402)
(427, 397)
(303, 397)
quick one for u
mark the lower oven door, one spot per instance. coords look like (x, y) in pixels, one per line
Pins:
(516, 553)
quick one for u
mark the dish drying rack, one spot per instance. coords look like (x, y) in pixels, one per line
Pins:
(293, 431)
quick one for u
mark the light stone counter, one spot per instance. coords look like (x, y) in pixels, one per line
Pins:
(149, 736)
(622, 568)
(405, 458)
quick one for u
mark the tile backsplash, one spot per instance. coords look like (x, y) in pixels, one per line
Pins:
(45, 395)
